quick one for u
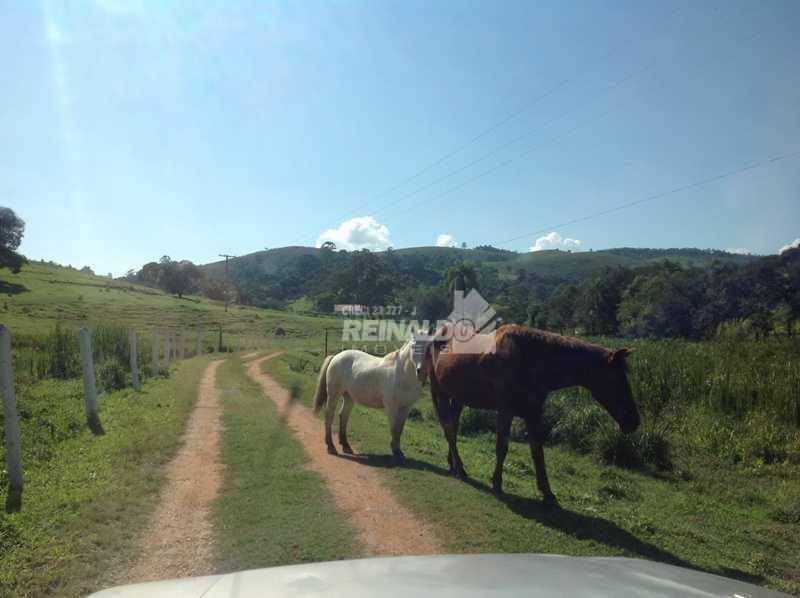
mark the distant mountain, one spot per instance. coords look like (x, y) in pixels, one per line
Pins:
(275, 277)
(562, 264)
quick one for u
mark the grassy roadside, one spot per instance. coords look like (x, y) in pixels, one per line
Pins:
(695, 517)
(271, 510)
(86, 497)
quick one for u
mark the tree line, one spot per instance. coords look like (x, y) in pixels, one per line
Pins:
(656, 299)
(665, 299)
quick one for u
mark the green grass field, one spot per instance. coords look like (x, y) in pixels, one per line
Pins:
(708, 513)
(86, 497)
(729, 503)
(32, 301)
(271, 510)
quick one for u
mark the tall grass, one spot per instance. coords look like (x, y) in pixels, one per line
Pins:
(734, 378)
(57, 354)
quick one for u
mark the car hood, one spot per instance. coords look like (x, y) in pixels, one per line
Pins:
(458, 575)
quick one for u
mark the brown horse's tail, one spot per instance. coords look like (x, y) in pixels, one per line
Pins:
(322, 385)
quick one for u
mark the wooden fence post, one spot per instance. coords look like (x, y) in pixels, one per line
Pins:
(167, 349)
(137, 386)
(13, 440)
(156, 367)
(182, 344)
(199, 348)
(219, 340)
(89, 389)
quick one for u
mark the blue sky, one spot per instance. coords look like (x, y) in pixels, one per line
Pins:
(133, 129)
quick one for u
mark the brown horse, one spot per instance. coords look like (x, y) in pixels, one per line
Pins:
(515, 379)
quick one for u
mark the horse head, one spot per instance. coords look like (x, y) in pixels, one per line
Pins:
(426, 346)
(419, 343)
(612, 390)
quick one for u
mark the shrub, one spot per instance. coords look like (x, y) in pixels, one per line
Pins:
(111, 342)
(62, 354)
(573, 421)
(111, 375)
(519, 431)
(475, 421)
(640, 449)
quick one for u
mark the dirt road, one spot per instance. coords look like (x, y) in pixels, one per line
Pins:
(385, 527)
(179, 540)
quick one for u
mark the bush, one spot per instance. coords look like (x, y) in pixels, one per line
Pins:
(478, 421)
(61, 354)
(111, 375)
(573, 421)
(475, 421)
(640, 449)
(111, 342)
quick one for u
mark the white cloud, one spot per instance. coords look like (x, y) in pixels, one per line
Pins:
(793, 245)
(445, 240)
(363, 232)
(739, 250)
(555, 241)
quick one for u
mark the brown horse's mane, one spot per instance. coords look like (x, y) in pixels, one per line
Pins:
(543, 340)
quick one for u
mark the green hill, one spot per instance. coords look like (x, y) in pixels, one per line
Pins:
(43, 294)
(281, 276)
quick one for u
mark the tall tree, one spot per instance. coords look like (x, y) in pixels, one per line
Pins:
(461, 277)
(12, 229)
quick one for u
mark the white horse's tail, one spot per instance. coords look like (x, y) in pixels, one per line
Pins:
(322, 385)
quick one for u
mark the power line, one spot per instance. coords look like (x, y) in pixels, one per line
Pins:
(530, 149)
(509, 143)
(509, 117)
(692, 185)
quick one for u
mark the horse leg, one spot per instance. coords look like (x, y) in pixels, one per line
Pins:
(397, 421)
(501, 449)
(344, 416)
(330, 411)
(536, 441)
(451, 432)
(442, 408)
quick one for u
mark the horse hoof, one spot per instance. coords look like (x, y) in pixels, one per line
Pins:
(332, 450)
(347, 449)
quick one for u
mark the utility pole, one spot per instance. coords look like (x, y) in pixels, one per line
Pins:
(227, 277)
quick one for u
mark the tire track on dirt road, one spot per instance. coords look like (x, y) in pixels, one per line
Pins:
(385, 527)
(179, 540)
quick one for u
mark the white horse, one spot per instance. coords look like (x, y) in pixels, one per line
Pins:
(391, 383)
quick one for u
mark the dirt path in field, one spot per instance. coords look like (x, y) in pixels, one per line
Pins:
(385, 527)
(179, 540)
